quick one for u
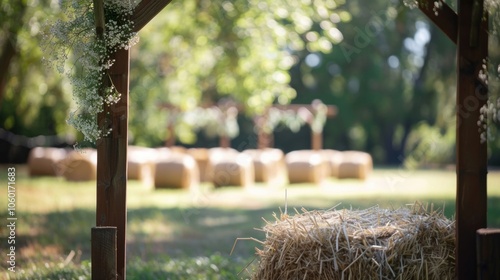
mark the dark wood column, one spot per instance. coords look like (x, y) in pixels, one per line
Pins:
(471, 162)
(112, 161)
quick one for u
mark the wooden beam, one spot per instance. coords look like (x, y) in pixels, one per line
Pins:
(488, 254)
(112, 159)
(146, 10)
(331, 109)
(446, 19)
(265, 140)
(471, 162)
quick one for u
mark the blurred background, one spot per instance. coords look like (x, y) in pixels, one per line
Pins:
(388, 70)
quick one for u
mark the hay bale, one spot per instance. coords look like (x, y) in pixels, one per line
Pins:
(359, 244)
(305, 166)
(178, 171)
(163, 153)
(201, 156)
(217, 154)
(269, 165)
(355, 164)
(333, 158)
(80, 165)
(177, 149)
(141, 164)
(45, 161)
(232, 170)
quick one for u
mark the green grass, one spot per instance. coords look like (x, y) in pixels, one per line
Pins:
(175, 234)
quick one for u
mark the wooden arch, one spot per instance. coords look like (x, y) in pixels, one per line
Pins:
(111, 208)
(466, 28)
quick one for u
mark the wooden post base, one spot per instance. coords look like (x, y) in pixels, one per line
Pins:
(104, 253)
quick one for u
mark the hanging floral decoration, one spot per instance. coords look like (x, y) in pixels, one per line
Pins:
(294, 120)
(74, 49)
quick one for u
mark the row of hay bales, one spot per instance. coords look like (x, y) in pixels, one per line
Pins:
(178, 167)
(72, 165)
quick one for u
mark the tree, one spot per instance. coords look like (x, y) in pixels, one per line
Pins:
(238, 50)
(33, 100)
(382, 76)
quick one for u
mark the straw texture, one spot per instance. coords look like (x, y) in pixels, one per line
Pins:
(408, 243)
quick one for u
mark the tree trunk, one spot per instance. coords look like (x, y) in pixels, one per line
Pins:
(9, 48)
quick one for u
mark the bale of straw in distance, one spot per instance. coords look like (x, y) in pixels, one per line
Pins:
(141, 164)
(80, 165)
(44, 161)
(305, 166)
(201, 156)
(269, 165)
(355, 164)
(333, 159)
(233, 170)
(408, 243)
(178, 171)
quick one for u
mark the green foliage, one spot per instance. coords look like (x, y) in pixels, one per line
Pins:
(391, 71)
(55, 271)
(428, 145)
(199, 52)
(196, 53)
(214, 267)
(35, 100)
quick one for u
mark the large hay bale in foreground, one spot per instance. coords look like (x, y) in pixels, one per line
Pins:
(359, 244)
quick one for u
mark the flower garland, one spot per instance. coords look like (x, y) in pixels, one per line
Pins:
(316, 118)
(75, 51)
(490, 112)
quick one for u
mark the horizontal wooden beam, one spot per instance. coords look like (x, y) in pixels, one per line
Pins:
(331, 109)
(446, 18)
(146, 11)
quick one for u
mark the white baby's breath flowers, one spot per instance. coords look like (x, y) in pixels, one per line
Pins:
(72, 47)
(490, 112)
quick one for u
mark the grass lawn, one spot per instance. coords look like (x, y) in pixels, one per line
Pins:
(176, 234)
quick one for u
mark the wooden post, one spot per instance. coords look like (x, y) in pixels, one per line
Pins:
(112, 160)
(471, 162)
(111, 208)
(264, 139)
(103, 253)
(469, 30)
(316, 140)
(488, 254)
(170, 142)
(111, 168)
(224, 141)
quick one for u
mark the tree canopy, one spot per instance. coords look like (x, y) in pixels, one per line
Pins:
(388, 70)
